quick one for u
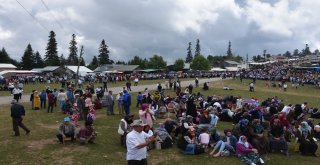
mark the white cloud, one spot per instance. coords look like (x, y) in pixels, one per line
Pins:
(5, 34)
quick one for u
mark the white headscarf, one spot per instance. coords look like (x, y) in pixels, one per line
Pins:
(241, 141)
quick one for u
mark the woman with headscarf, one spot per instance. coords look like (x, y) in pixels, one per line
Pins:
(305, 139)
(258, 137)
(124, 128)
(205, 118)
(276, 139)
(189, 144)
(286, 126)
(242, 128)
(164, 137)
(227, 142)
(146, 115)
(246, 153)
(36, 100)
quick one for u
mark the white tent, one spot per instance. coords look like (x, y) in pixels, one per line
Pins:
(232, 69)
(218, 69)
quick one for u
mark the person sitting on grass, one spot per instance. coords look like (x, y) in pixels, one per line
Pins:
(87, 134)
(66, 129)
(246, 153)
(305, 138)
(227, 142)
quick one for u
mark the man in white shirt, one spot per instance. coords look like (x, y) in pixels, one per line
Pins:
(286, 109)
(137, 142)
(16, 93)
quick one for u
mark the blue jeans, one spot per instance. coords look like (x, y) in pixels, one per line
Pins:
(61, 105)
(190, 149)
(127, 109)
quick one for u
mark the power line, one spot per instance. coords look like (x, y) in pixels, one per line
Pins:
(32, 16)
(56, 20)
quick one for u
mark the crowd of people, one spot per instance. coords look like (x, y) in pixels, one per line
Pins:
(190, 120)
(258, 127)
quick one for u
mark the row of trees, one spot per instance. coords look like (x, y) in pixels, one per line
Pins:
(295, 53)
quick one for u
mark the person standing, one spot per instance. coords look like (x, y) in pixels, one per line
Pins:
(16, 93)
(110, 103)
(62, 97)
(36, 100)
(50, 101)
(17, 111)
(120, 102)
(137, 142)
(43, 99)
(126, 102)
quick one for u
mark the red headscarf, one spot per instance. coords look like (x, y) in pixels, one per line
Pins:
(144, 107)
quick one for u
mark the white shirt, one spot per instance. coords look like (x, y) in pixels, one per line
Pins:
(135, 138)
(16, 91)
(286, 109)
(217, 104)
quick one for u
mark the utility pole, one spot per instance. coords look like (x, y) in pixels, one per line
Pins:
(79, 61)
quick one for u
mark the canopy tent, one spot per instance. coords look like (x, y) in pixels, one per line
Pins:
(218, 69)
(9, 73)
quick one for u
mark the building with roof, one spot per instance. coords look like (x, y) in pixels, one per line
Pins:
(72, 70)
(4, 66)
(229, 63)
(117, 68)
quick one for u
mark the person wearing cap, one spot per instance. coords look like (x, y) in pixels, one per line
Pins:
(66, 129)
(137, 142)
(17, 111)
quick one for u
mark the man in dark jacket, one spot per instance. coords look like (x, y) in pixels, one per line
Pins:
(17, 111)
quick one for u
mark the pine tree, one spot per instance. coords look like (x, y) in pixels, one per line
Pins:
(51, 56)
(306, 51)
(4, 57)
(28, 59)
(198, 49)
(73, 57)
(189, 54)
(229, 52)
(62, 60)
(39, 63)
(94, 63)
(103, 54)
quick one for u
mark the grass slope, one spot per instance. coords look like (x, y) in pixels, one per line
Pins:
(41, 147)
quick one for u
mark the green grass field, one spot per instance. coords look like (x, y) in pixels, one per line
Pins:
(41, 146)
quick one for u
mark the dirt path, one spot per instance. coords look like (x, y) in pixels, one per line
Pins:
(25, 98)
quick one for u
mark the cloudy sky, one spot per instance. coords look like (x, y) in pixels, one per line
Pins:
(163, 27)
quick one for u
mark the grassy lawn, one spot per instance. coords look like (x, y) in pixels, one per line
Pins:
(41, 146)
(29, 87)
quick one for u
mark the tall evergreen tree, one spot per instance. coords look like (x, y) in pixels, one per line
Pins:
(189, 54)
(198, 49)
(39, 63)
(94, 63)
(4, 57)
(51, 56)
(62, 60)
(229, 52)
(104, 54)
(28, 59)
(306, 50)
(73, 50)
